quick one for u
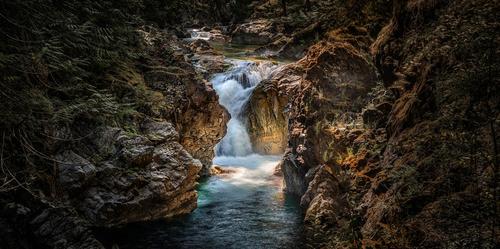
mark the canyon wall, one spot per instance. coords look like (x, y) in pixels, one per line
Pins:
(266, 120)
(392, 130)
(121, 132)
(388, 120)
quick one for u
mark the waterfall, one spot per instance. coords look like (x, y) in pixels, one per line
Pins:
(234, 88)
(244, 207)
(197, 34)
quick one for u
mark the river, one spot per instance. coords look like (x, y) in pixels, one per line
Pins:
(244, 209)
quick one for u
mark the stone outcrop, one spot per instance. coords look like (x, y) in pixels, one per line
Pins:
(141, 177)
(136, 128)
(188, 100)
(257, 32)
(394, 165)
(336, 80)
(266, 119)
(331, 82)
(207, 61)
(202, 124)
(144, 167)
(218, 170)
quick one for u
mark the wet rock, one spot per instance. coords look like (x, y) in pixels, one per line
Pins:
(293, 175)
(218, 170)
(266, 119)
(322, 199)
(278, 170)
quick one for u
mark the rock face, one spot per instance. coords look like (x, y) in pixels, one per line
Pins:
(202, 124)
(395, 165)
(207, 61)
(143, 177)
(140, 128)
(267, 122)
(257, 32)
(331, 82)
(419, 190)
(189, 101)
(74, 170)
(336, 79)
(141, 166)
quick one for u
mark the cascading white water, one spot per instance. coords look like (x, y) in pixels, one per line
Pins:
(234, 88)
(197, 34)
(245, 208)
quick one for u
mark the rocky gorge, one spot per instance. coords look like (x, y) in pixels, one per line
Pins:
(298, 124)
(359, 111)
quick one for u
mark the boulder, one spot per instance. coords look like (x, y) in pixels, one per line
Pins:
(218, 170)
(266, 119)
(146, 176)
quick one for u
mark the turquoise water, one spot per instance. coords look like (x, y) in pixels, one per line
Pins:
(246, 209)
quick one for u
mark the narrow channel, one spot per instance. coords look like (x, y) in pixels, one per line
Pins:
(245, 208)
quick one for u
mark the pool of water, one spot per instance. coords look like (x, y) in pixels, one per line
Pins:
(244, 209)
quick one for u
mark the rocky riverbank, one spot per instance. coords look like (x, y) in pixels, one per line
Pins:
(370, 120)
(142, 166)
(387, 119)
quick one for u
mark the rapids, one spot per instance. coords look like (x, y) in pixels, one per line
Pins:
(243, 209)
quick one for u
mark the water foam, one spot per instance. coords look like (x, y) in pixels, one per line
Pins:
(250, 170)
(234, 88)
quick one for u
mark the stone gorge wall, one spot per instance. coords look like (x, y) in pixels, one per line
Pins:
(328, 87)
(142, 176)
(144, 168)
(393, 164)
(192, 102)
(336, 81)
(156, 126)
(266, 120)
